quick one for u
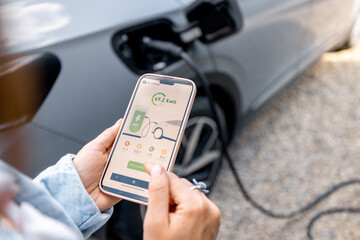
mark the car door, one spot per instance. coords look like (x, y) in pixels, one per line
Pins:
(330, 21)
(263, 55)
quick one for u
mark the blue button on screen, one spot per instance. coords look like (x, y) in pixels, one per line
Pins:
(129, 180)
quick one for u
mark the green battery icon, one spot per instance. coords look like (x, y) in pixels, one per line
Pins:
(137, 121)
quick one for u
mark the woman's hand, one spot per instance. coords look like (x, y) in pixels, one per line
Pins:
(177, 212)
(90, 163)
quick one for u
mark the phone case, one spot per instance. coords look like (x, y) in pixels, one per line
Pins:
(177, 143)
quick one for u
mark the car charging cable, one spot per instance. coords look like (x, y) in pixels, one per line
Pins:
(176, 51)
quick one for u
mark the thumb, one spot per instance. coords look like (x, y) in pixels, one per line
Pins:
(107, 137)
(157, 214)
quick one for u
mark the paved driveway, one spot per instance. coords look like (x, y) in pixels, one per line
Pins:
(304, 143)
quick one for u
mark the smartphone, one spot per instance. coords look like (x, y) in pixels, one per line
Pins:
(151, 131)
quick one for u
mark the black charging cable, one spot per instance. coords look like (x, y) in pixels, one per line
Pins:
(178, 52)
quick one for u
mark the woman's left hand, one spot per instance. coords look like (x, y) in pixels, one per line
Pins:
(90, 163)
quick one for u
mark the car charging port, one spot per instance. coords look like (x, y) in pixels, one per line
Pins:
(128, 44)
(208, 21)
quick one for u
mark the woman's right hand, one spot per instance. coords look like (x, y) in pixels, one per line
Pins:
(177, 212)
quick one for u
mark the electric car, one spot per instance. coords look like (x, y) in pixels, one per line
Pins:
(89, 55)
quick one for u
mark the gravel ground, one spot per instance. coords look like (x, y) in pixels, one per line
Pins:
(304, 143)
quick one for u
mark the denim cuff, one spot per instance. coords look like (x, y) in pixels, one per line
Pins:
(63, 182)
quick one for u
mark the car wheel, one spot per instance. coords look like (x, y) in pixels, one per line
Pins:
(200, 151)
(199, 157)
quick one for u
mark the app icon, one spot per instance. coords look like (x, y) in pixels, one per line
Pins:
(151, 149)
(127, 143)
(137, 121)
(163, 151)
(139, 146)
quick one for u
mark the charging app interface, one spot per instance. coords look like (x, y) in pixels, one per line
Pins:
(149, 133)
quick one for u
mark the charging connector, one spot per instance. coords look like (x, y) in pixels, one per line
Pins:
(159, 45)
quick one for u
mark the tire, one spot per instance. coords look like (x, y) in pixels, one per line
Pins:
(199, 157)
(200, 151)
(126, 223)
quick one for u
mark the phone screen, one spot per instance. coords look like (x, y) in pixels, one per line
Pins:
(150, 133)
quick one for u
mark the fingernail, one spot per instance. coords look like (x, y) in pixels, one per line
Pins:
(156, 171)
(118, 122)
(149, 165)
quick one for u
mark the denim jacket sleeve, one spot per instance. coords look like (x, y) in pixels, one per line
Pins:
(64, 184)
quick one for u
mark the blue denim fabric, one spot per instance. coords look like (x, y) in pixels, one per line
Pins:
(59, 193)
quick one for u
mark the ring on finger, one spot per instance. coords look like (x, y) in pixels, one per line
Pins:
(199, 185)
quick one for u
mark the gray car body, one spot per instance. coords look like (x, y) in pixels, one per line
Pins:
(279, 40)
